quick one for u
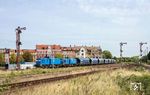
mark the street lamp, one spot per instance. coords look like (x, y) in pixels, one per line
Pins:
(18, 43)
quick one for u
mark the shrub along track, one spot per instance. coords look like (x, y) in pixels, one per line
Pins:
(97, 68)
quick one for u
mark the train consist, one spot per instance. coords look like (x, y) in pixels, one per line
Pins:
(57, 62)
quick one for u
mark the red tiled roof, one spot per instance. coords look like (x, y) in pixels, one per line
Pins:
(41, 46)
(29, 50)
(46, 46)
(70, 48)
(55, 46)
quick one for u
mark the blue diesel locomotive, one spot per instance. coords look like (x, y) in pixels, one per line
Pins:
(57, 62)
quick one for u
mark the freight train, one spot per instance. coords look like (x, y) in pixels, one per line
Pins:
(58, 62)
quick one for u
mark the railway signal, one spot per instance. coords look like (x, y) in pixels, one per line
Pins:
(121, 50)
(18, 43)
(141, 48)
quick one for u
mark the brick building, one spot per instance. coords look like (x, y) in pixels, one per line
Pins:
(69, 51)
(75, 51)
(2, 50)
(47, 50)
(51, 51)
(88, 51)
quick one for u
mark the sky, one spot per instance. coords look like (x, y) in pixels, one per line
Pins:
(103, 23)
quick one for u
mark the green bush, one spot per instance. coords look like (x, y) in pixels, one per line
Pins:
(124, 83)
(4, 85)
(2, 59)
(148, 62)
(140, 68)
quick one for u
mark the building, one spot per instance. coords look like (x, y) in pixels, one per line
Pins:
(22, 51)
(47, 50)
(41, 51)
(75, 51)
(52, 50)
(55, 49)
(69, 51)
(83, 53)
(89, 52)
(5, 54)
(2, 51)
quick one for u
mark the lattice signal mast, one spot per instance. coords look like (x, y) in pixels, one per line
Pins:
(121, 50)
(18, 43)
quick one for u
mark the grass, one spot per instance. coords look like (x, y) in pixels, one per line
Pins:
(15, 73)
(123, 82)
(105, 83)
(7, 77)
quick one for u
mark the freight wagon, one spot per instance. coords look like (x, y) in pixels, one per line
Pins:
(57, 62)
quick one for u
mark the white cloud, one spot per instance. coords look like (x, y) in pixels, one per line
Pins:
(116, 10)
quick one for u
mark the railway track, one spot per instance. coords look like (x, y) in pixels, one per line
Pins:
(64, 77)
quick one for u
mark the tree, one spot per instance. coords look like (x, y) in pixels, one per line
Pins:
(13, 58)
(2, 59)
(135, 59)
(106, 54)
(27, 56)
(144, 59)
(115, 57)
(148, 56)
(21, 59)
(59, 55)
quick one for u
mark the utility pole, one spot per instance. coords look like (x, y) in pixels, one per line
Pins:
(121, 50)
(18, 43)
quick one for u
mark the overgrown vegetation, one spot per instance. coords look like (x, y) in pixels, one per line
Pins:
(105, 83)
(59, 55)
(2, 59)
(4, 85)
(142, 81)
(146, 58)
(106, 54)
(13, 58)
(135, 59)
(5, 74)
(128, 59)
(7, 80)
(124, 83)
(148, 62)
(9, 76)
(138, 68)
(27, 56)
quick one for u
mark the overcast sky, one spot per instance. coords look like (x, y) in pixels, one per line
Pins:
(80, 22)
